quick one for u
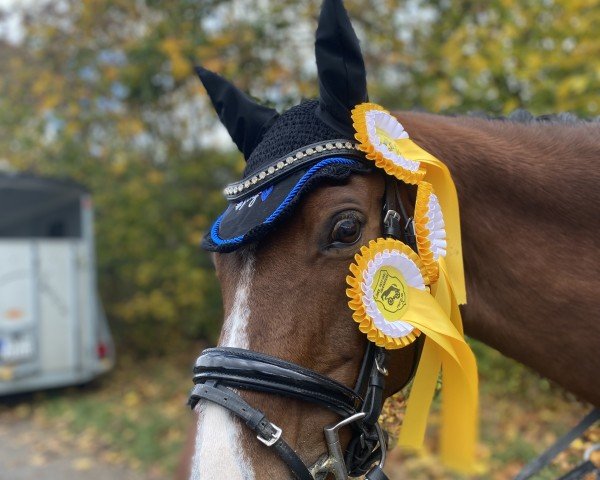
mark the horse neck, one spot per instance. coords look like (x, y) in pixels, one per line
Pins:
(527, 194)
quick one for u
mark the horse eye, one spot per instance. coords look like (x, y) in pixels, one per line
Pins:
(346, 231)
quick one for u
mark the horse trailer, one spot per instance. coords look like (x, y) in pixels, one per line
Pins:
(53, 329)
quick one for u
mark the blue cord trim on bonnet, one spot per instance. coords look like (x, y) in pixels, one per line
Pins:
(214, 231)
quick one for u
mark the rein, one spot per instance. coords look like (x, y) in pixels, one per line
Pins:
(580, 471)
(218, 371)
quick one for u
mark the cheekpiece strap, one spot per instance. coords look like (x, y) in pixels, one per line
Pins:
(292, 162)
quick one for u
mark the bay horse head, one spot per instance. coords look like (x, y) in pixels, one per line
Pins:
(291, 360)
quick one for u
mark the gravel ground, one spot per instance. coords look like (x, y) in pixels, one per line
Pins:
(29, 451)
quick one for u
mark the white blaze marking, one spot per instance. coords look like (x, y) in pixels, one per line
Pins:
(219, 453)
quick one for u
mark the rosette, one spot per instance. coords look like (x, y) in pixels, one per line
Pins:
(380, 284)
(430, 230)
(378, 132)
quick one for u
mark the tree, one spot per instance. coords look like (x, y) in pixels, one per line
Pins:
(103, 91)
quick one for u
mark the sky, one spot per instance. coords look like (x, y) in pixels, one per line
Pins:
(10, 26)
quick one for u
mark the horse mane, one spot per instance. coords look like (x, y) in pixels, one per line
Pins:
(520, 115)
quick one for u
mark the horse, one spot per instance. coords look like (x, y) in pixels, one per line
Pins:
(528, 193)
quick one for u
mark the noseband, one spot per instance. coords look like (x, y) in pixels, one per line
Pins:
(218, 371)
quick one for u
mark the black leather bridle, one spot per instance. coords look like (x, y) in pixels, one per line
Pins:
(218, 371)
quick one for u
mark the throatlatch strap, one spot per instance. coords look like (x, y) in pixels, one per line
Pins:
(266, 432)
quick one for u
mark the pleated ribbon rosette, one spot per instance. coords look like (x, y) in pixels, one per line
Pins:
(378, 290)
(385, 141)
(431, 297)
(430, 230)
(392, 305)
(378, 132)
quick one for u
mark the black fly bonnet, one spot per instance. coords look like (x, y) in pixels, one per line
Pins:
(289, 154)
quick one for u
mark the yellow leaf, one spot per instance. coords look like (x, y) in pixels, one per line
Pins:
(173, 48)
(131, 399)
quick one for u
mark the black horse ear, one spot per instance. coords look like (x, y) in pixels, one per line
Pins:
(341, 68)
(245, 120)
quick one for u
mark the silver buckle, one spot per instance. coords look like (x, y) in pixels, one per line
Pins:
(271, 441)
(380, 369)
(389, 215)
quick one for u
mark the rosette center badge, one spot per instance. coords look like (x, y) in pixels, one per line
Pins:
(390, 293)
(382, 281)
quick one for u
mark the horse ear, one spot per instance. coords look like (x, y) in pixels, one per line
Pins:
(245, 120)
(341, 68)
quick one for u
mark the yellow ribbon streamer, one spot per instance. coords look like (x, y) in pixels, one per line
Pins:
(439, 176)
(414, 424)
(444, 348)
(444, 295)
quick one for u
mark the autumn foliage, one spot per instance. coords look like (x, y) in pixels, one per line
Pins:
(103, 91)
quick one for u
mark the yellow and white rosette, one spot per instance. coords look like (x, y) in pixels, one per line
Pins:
(377, 132)
(396, 295)
(430, 229)
(379, 291)
(392, 305)
(431, 239)
(385, 141)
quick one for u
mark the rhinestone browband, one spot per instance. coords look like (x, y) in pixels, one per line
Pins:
(291, 163)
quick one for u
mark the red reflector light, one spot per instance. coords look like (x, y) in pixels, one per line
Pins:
(102, 350)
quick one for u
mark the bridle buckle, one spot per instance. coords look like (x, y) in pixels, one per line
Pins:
(392, 219)
(276, 435)
(381, 369)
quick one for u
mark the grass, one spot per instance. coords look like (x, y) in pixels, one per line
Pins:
(137, 415)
